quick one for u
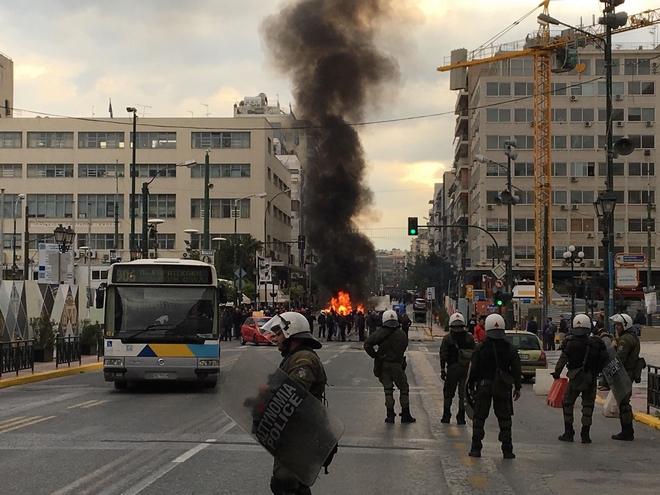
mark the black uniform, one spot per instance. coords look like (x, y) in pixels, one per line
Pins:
(456, 372)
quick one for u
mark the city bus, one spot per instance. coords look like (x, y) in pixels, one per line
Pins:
(161, 322)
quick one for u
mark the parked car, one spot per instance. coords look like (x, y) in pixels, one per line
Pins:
(530, 351)
(419, 305)
(252, 331)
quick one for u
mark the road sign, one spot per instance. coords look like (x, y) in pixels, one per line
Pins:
(627, 278)
(430, 293)
(630, 259)
(492, 308)
(499, 270)
(469, 291)
(499, 283)
(240, 273)
(526, 301)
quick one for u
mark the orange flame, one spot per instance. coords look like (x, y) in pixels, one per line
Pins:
(342, 304)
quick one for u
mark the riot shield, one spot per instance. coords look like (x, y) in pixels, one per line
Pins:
(615, 373)
(292, 425)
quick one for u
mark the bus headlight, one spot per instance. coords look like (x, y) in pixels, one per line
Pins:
(113, 362)
(208, 363)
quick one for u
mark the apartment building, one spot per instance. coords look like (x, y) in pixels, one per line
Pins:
(495, 103)
(6, 86)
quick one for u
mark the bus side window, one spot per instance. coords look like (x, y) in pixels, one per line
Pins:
(100, 296)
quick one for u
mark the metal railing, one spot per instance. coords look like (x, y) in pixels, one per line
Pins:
(653, 388)
(68, 351)
(15, 356)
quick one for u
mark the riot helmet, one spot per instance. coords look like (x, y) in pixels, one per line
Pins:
(623, 319)
(390, 319)
(457, 323)
(581, 325)
(495, 326)
(293, 326)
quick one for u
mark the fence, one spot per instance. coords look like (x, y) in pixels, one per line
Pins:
(15, 356)
(68, 351)
(653, 388)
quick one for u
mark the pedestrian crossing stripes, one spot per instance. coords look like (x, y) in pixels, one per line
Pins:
(21, 422)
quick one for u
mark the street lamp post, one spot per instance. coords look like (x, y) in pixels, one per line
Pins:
(64, 239)
(235, 213)
(131, 241)
(207, 201)
(572, 257)
(153, 234)
(604, 206)
(14, 267)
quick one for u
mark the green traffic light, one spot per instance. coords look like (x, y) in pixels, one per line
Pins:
(499, 302)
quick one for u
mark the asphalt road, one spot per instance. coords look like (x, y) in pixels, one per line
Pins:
(78, 435)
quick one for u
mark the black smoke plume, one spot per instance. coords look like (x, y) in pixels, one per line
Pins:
(328, 49)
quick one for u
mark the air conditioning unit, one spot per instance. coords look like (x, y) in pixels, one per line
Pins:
(490, 207)
(573, 179)
(618, 97)
(106, 258)
(590, 235)
(647, 152)
(619, 124)
(185, 255)
(587, 124)
(574, 98)
(531, 124)
(649, 123)
(563, 207)
(574, 207)
(619, 235)
(92, 254)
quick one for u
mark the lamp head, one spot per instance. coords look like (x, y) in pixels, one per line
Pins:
(21, 196)
(261, 195)
(187, 163)
(131, 109)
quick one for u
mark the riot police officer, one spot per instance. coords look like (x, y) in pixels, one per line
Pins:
(455, 355)
(584, 355)
(389, 364)
(495, 370)
(627, 350)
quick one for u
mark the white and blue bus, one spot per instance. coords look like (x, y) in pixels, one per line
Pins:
(161, 322)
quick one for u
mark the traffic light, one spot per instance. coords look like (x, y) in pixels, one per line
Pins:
(499, 300)
(301, 242)
(413, 227)
(505, 197)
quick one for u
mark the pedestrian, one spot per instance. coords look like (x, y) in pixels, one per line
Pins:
(584, 356)
(479, 330)
(372, 321)
(360, 322)
(627, 350)
(495, 369)
(341, 324)
(227, 324)
(563, 329)
(303, 366)
(331, 322)
(640, 319)
(321, 322)
(549, 330)
(532, 326)
(390, 364)
(455, 355)
(405, 323)
(471, 324)
(237, 319)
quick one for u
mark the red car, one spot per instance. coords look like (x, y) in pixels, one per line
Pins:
(252, 331)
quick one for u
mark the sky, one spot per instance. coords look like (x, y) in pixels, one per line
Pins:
(171, 58)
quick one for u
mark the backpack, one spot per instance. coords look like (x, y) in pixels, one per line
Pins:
(640, 365)
(552, 329)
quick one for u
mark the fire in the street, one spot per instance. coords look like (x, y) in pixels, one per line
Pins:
(342, 304)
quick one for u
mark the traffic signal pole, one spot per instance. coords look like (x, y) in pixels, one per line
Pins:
(508, 317)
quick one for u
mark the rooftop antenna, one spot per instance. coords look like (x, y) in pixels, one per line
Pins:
(207, 109)
(144, 109)
(92, 111)
(191, 113)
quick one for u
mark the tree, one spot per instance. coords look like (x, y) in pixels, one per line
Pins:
(246, 249)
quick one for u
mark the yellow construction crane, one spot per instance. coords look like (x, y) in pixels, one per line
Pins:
(541, 46)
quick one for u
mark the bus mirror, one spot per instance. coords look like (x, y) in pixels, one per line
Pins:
(100, 295)
(222, 294)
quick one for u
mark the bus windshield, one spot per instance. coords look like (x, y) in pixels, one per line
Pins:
(162, 314)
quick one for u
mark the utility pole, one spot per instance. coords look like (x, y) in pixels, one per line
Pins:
(649, 224)
(115, 243)
(131, 241)
(207, 201)
(2, 232)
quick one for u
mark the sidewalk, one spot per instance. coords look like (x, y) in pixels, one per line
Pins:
(46, 371)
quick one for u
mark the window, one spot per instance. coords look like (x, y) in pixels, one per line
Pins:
(558, 169)
(153, 140)
(601, 140)
(102, 205)
(49, 170)
(99, 274)
(559, 225)
(495, 170)
(617, 169)
(620, 199)
(641, 197)
(637, 66)
(641, 169)
(99, 170)
(270, 146)
(641, 114)
(583, 142)
(642, 249)
(498, 115)
(496, 224)
(617, 115)
(558, 89)
(227, 170)
(521, 67)
(51, 205)
(498, 89)
(11, 139)
(491, 197)
(641, 88)
(36, 239)
(600, 67)
(585, 89)
(11, 170)
(589, 251)
(50, 139)
(150, 170)
(269, 173)
(496, 142)
(526, 197)
(558, 142)
(559, 197)
(618, 88)
(523, 115)
(13, 206)
(524, 252)
(646, 141)
(583, 169)
(220, 208)
(523, 225)
(221, 140)
(101, 140)
(9, 240)
(582, 224)
(523, 89)
(160, 205)
(524, 169)
(558, 252)
(582, 114)
(101, 241)
(281, 216)
(524, 142)
(582, 197)
(559, 114)
(641, 225)
(166, 241)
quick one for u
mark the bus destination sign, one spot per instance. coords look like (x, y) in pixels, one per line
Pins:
(162, 274)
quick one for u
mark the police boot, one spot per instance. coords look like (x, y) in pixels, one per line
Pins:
(569, 433)
(405, 415)
(446, 414)
(390, 415)
(627, 434)
(460, 417)
(584, 434)
(475, 449)
(507, 451)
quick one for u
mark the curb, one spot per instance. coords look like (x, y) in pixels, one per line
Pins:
(643, 418)
(48, 375)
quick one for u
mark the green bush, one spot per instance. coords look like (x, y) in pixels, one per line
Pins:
(44, 332)
(91, 332)
(443, 316)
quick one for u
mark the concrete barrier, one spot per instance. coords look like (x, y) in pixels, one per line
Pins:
(543, 381)
(650, 334)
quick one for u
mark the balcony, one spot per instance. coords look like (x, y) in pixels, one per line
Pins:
(461, 150)
(461, 123)
(461, 102)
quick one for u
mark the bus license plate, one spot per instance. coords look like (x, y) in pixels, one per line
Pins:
(160, 376)
(524, 357)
